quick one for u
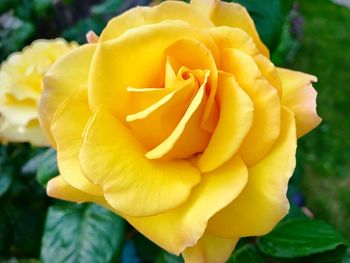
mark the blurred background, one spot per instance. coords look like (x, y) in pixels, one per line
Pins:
(310, 36)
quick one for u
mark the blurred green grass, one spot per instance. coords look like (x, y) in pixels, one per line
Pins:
(325, 152)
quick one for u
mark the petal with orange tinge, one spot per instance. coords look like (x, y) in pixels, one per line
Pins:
(300, 97)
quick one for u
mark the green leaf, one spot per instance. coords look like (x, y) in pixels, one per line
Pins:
(247, 253)
(22, 260)
(4, 231)
(146, 250)
(14, 34)
(165, 257)
(47, 166)
(299, 238)
(6, 170)
(268, 18)
(6, 5)
(333, 256)
(346, 256)
(6, 178)
(81, 233)
(294, 213)
(41, 6)
(31, 166)
(26, 218)
(44, 164)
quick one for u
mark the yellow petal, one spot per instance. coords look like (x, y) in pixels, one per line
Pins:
(170, 74)
(266, 121)
(31, 132)
(181, 143)
(121, 63)
(300, 97)
(67, 128)
(210, 249)
(263, 202)
(182, 227)
(57, 187)
(68, 74)
(269, 71)
(155, 123)
(141, 99)
(195, 55)
(139, 16)
(18, 112)
(232, 15)
(229, 37)
(132, 184)
(236, 118)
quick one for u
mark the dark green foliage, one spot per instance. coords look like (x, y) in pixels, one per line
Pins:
(43, 164)
(247, 253)
(23, 204)
(268, 19)
(165, 257)
(145, 249)
(79, 30)
(107, 7)
(298, 238)
(81, 233)
(14, 34)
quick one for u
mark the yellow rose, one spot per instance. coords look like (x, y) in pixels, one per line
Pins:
(177, 120)
(20, 89)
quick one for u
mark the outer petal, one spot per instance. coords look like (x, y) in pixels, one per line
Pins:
(139, 16)
(67, 128)
(236, 118)
(210, 249)
(266, 123)
(182, 227)
(66, 75)
(232, 15)
(132, 184)
(300, 97)
(263, 201)
(57, 187)
(121, 63)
